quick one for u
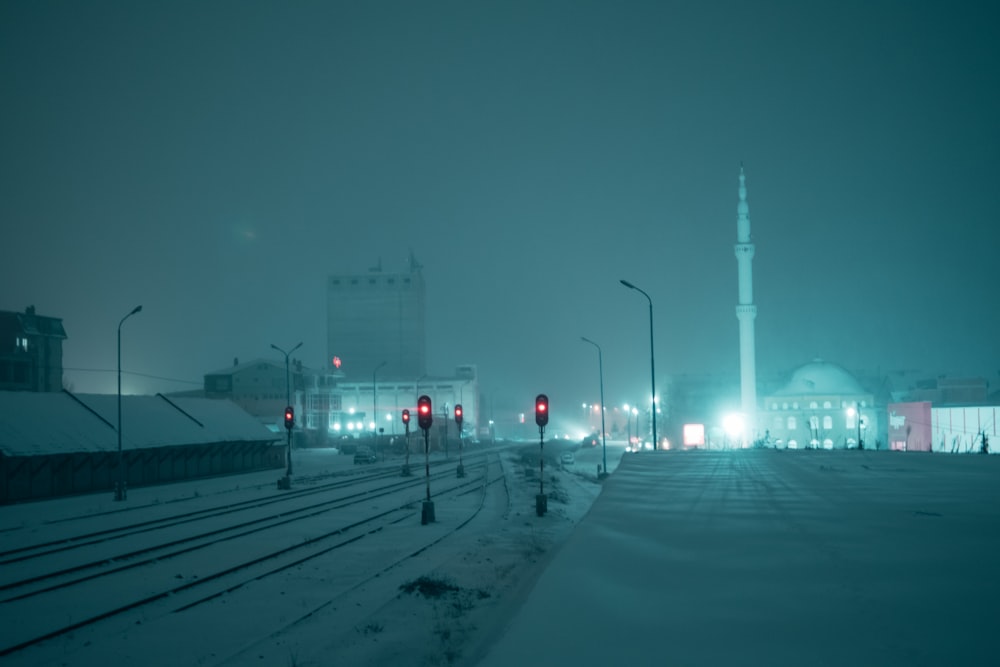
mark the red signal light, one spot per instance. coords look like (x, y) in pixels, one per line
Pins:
(541, 409)
(458, 414)
(289, 417)
(424, 416)
(406, 416)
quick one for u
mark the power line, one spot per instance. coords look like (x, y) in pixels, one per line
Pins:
(125, 372)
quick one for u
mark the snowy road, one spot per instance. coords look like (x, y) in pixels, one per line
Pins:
(774, 558)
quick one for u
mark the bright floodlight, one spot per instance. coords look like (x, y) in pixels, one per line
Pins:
(734, 425)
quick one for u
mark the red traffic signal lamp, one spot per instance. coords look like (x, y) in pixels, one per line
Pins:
(541, 409)
(458, 414)
(406, 417)
(289, 417)
(425, 416)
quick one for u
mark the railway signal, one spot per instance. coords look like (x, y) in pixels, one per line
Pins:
(541, 410)
(406, 426)
(541, 418)
(289, 418)
(425, 418)
(458, 420)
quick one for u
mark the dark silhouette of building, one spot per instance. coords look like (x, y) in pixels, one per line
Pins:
(30, 351)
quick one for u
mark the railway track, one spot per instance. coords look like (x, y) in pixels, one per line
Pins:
(171, 565)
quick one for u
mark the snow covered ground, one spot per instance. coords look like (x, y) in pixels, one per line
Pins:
(774, 558)
(684, 558)
(470, 580)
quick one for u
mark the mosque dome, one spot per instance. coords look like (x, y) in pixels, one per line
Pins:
(820, 377)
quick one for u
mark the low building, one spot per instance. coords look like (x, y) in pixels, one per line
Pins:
(920, 426)
(58, 444)
(336, 407)
(31, 356)
(261, 387)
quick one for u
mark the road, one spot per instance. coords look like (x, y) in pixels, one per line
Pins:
(774, 558)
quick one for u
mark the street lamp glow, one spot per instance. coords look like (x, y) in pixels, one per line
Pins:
(734, 425)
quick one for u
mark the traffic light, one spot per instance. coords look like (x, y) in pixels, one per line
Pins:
(541, 409)
(406, 417)
(424, 415)
(289, 417)
(458, 414)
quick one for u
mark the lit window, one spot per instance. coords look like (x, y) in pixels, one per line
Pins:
(813, 405)
(827, 404)
(827, 422)
(792, 424)
(814, 423)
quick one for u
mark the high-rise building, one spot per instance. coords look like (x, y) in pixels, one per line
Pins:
(375, 322)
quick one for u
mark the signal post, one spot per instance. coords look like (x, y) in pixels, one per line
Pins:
(286, 481)
(406, 426)
(458, 421)
(425, 418)
(541, 418)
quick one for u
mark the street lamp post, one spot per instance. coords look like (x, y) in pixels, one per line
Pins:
(288, 401)
(600, 368)
(120, 486)
(375, 405)
(652, 366)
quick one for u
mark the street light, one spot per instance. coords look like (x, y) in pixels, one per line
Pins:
(288, 402)
(600, 368)
(856, 412)
(652, 367)
(120, 487)
(375, 404)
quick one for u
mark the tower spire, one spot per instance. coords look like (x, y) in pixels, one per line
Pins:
(746, 311)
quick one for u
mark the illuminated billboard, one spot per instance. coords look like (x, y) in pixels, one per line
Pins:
(694, 435)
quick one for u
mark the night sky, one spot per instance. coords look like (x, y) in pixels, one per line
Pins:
(215, 161)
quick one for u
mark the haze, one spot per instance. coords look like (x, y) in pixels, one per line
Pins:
(214, 162)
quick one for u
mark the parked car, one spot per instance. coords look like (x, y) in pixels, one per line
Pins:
(567, 458)
(365, 455)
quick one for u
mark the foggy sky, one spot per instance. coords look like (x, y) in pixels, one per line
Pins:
(214, 162)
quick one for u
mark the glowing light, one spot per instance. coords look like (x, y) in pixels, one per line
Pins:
(734, 425)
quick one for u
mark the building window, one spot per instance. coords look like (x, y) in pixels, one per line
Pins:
(827, 405)
(792, 424)
(778, 422)
(795, 405)
(827, 422)
(814, 423)
(813, 405)
(774, 406)
(784, 406)
(21, 343)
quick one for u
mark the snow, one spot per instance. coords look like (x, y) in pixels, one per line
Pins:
(681, 558)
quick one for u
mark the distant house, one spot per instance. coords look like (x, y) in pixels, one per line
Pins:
(30, 351)
(258, 386)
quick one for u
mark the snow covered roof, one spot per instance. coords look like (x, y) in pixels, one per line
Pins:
(37, 423)
(820, 377)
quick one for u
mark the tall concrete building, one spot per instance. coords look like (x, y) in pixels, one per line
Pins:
(375, 321)
(746, 311)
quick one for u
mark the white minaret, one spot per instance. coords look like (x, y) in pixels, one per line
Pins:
(746, 311)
